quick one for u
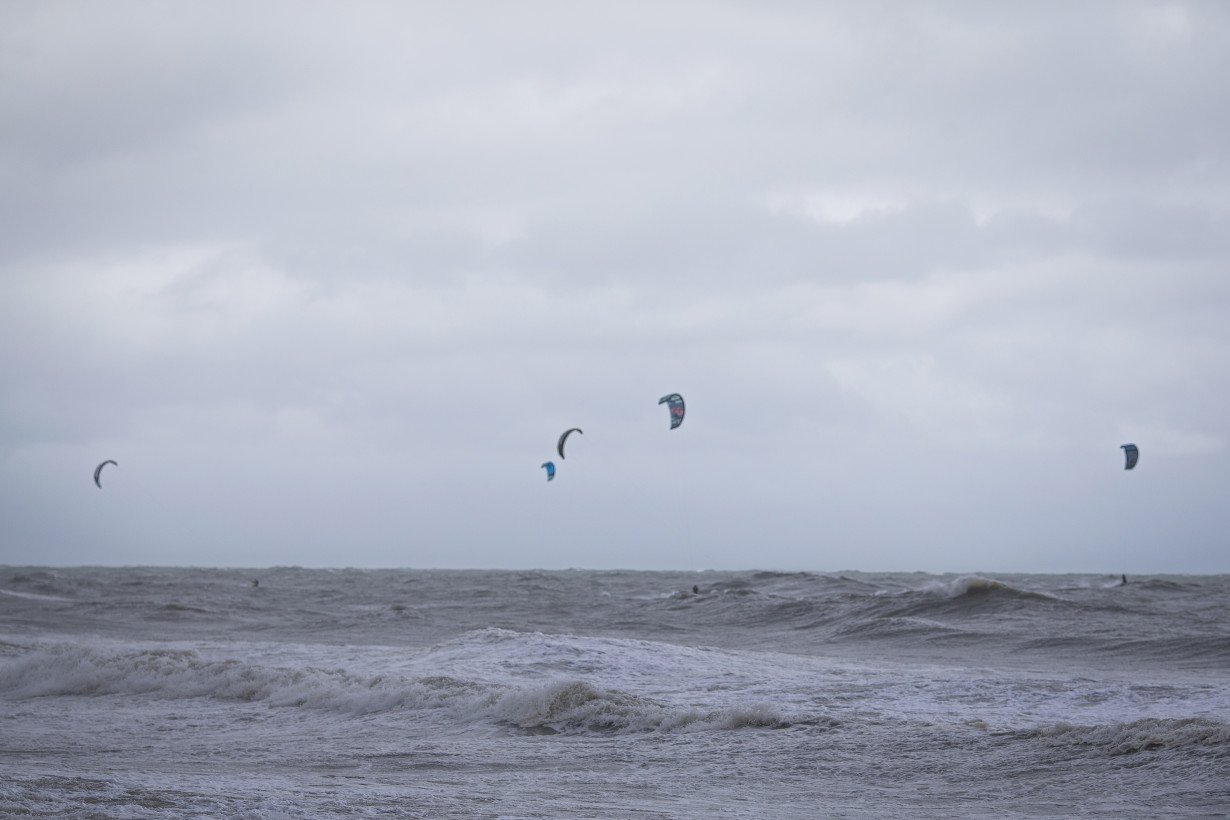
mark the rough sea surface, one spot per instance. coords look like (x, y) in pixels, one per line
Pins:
(178, 692)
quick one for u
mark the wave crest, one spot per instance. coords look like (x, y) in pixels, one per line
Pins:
(570, 706)
(1141, 735)
(976, 586)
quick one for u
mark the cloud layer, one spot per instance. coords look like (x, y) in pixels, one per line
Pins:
(327, 281)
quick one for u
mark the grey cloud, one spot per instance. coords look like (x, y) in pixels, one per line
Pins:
(329, 282)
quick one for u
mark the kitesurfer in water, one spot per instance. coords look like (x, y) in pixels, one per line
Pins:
(695, 589)
(1124, 581)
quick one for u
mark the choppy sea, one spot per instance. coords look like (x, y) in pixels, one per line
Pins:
(182, 692)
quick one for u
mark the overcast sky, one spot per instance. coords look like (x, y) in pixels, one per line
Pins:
(327, 280)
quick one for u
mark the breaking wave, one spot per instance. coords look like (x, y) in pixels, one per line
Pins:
(577, 706)
(976, 586)
(34, 596)
(967, 594)
(1142, 735)
(558, 706)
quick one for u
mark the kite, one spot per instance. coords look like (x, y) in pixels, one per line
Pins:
(98, 472)
(675, 402)
(559, 446)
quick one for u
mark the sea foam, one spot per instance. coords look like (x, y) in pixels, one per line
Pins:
(1140, 735)
(554, 706)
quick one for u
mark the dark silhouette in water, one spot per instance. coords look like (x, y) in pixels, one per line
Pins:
(256, 582)
(1124, 581)
(695, 589)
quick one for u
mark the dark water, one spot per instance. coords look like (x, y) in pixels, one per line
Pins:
(337, 693)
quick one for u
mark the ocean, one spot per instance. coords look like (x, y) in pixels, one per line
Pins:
(186, 692)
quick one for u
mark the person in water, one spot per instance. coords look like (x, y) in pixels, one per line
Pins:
(695, 589)
(1124, 581)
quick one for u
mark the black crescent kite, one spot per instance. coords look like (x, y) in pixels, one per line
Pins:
(98, 472)
(559, 445)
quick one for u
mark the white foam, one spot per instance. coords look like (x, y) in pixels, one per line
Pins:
(560, 705)
(1141, 735)
(33, 596)
(975, 585)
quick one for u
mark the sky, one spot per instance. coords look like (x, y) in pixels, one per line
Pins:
(327, 281)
